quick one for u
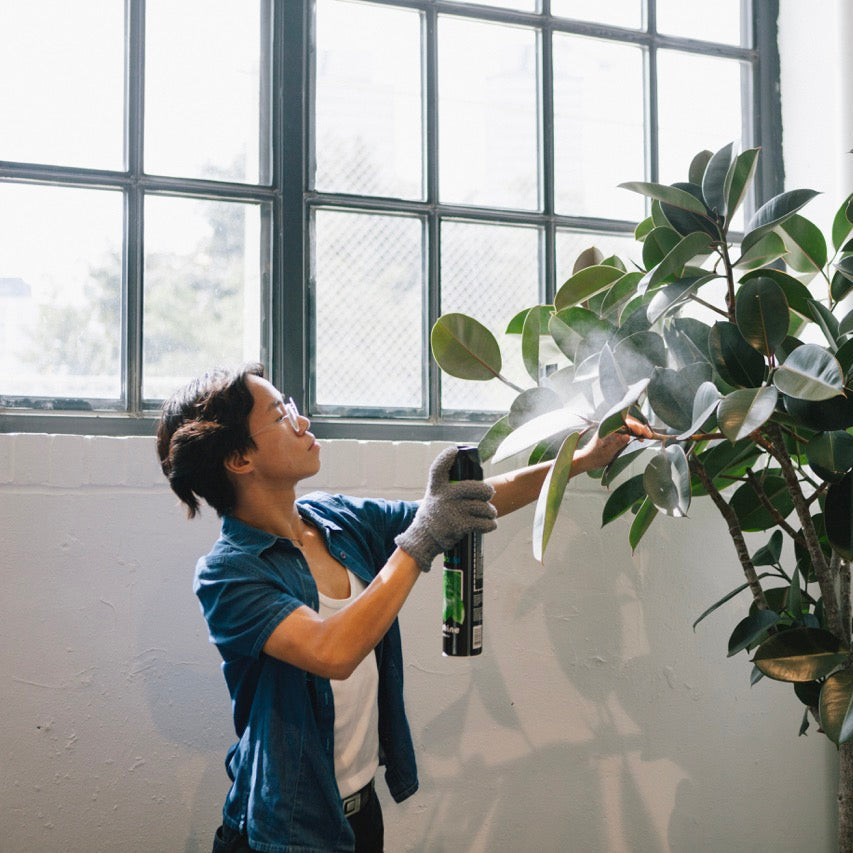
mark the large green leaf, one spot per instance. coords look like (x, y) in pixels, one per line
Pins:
(689, 247)
(667, 481)
(489, 443)
(465, 348)
(775, 212)
(840, 286)
(806, 244)
(761, 312)
(639, 354)
(751, 630)
(705, 402)
(834, 413)
(768, 555)
(845, 267)
(642, 521)
(809, 373)
(844, 356)
(801, 654)
(836, 706)
(825, 319)
(530, 333)
(742, 175)
(622, 498)
(736, 361)
(619, 293)
(796, 293)
(551, 495)
(579, 332)
(531, 404)
(728, 458)
(766, 250)
(659, 242)
(672, 393)
(686, 221)
(745, 410)
(717, 180)
(539, 429)
(614, 416)
(610, 378)
(674, 294)
(751, 513)
(698, 165)
(584, 284)
(669, 195)
(516, 325)
(838, 516)
(831, 451)
(842, 223)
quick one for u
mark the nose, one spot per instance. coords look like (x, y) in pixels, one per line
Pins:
(304, 423)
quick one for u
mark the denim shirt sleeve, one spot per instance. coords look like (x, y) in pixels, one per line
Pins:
(243, 600)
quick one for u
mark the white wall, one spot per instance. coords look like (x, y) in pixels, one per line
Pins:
(596, 719)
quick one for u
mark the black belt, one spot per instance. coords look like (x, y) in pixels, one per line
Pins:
(354, 803)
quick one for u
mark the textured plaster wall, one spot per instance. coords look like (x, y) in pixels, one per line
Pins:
(595, 721)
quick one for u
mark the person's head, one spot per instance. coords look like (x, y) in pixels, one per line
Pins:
(202, 426)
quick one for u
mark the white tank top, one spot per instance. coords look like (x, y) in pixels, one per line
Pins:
(356, 710)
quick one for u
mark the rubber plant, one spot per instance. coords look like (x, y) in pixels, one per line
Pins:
(736, 350)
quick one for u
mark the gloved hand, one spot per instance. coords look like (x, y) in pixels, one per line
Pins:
(448, 512)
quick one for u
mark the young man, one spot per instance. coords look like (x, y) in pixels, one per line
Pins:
(297, 594)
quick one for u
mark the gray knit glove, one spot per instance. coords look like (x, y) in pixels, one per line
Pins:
(448, 512)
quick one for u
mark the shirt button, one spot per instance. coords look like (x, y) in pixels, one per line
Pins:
(343, 555)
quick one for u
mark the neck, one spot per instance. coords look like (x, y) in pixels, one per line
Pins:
(276, 514)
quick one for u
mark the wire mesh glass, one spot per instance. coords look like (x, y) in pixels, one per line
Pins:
(368, 311)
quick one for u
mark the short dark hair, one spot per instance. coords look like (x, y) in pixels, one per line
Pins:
(200, 426)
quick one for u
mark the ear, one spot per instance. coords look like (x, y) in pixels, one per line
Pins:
(238, 463)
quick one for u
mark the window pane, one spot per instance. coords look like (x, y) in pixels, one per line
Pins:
(489, 272)
(695, 19)
(202, 289)
(619, 13)
(368, 108)
(689, 120)
(521, 5)
(202, 89)
(60, 292)
(598, 127)
(62, 82)
(368, 311)
(488, 124)
(571, 243)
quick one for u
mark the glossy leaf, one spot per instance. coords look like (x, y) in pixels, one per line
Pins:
(845, 267)
(584, 284)
(465, 348)
(717, 179)
(642, 521)
(697, 332)
(530, 343)
(825, 319)
(672, 393)
(622, 498)
(705, 403)
(639, 354)
(801, 654)
(674, 294)
(489, 443)
(590, 257)
(611, 381)
(689, 247)
(806, 244)
(669, 195)
(551, 495)
(742, 175)
(539, 429)
(838, 516)
(796, 293)
(614, 416)
(840, 286)
(809, 373)
(834, 413)
(698, 165)
(620, 292)
(836, 706)
(516, 324)
(659, 242)
(751, 514)
(686, 221)
(775, 212)
(844, 356)
(761, 311)
(832, 451)
(666, 480)
(766, 250)
(531, 404)
(726, 598)
(769, 554)
(736, 361)
(842, 224)
(751, 630)
(743, 411)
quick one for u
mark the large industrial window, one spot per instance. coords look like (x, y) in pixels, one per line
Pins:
(186, 183)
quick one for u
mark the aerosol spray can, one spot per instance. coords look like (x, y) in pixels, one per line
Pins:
(462, 631)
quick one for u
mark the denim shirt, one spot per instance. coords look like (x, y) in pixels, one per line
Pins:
(283, 794)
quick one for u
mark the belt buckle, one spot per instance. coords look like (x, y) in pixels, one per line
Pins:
(352, 804)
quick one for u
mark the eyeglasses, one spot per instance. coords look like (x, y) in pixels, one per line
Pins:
(290, 414)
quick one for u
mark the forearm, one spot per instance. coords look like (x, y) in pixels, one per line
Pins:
(333, 647)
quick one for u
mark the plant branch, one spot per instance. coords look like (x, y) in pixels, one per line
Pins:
(775, 446)
(730, 281)
(758, 488)
(708, 305)
(735, 532)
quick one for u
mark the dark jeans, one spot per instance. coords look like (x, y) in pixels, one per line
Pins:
(367, 825)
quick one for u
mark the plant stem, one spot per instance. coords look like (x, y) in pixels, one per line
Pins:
(776, 447)
(765, 502)
(730, 282)
(735, 532)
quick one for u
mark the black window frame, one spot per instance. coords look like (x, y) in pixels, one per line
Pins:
(291, 201)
